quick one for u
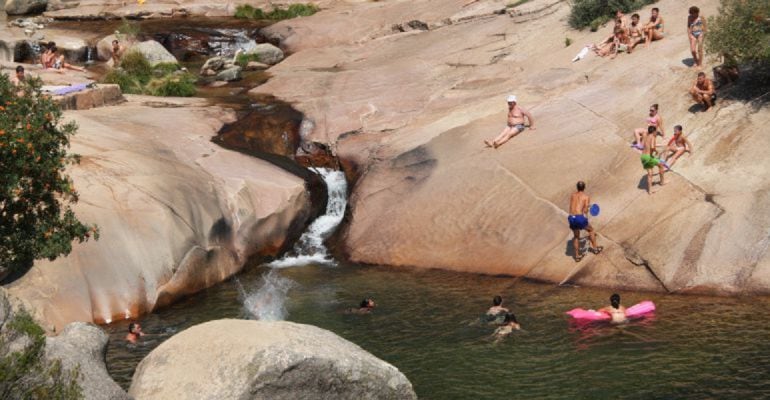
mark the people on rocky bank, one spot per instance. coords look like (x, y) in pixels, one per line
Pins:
(515, 125)
(51, 59)
(649, 159)
(678, 145)
(579, 203)
(702, 91)
(696, 32)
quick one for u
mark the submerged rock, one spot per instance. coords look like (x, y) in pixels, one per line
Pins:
(240, 359)
(232, 73)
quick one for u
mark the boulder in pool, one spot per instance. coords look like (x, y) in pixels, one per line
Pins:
(154, 52)
(240, 359)
(267, 53)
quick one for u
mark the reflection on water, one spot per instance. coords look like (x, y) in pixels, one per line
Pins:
(427, 323)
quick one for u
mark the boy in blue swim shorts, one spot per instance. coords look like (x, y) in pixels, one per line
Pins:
(579, 202)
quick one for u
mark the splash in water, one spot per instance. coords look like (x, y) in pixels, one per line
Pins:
(268, 303)
(310, 248)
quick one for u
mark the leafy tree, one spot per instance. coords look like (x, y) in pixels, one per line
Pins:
(596, 12)
(36, 194)
(741, 32)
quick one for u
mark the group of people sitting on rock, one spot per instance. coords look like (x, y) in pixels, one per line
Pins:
(625, 37)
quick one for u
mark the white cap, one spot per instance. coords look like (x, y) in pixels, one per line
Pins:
(511, 99)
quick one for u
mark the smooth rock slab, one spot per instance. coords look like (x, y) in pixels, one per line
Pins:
(154, 52)
(239, 359)
(83, 346)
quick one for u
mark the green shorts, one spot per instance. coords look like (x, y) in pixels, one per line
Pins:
(649, 162)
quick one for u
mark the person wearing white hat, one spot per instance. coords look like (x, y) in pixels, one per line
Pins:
(515, 124)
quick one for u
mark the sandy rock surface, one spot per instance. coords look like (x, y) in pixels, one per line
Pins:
(405, 106)
(264, 360)
(176, 212)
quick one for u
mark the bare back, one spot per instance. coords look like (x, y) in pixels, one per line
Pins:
(649, 143)
(578, 203)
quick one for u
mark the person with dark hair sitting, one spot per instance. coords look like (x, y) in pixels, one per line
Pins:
(703, 91)
(52, 60)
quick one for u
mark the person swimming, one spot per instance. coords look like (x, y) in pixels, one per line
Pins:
(366, 307)
(508, 326)
(615, 310)
(134, 332)
(497, 307)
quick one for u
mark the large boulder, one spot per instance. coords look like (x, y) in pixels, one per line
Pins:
(82, 347)
(154, 52)
(173, 219)
(239, 359)
(19, 7)
(229, 74)
(267, 53)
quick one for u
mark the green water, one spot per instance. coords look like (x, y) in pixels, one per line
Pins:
(428, 324)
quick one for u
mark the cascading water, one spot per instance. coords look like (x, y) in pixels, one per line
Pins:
(269, 301)
(310, 248)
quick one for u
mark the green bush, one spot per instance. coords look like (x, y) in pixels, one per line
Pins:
(137, 76)
(175, 85)
(741, 30)
(26, 374)
(295, 10)
(129, 28)
(36, 193)
(593, 13)
(244, 59)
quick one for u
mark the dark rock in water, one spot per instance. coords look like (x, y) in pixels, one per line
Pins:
(265, 360)
(83, 346)
(230, 74)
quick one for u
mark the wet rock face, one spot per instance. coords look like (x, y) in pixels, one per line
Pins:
(189, 44)
(265, 360)
(272, 127)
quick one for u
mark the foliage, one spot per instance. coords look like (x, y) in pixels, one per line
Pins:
(136, 76)
(26, 374)
(244, 59)
(741, 30)
(593, 13)
(246, 11)
(36, 194)
(128, 28)
(176, 85)
(567, 42)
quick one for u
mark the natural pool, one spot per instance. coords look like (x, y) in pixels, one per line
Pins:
(427, 324)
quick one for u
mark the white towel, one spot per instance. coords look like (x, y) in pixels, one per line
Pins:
(582, 53)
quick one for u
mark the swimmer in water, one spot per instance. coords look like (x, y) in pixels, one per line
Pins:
(366, 307)
(497, 307)
(134, 332)
(615, 310)
(509, 325)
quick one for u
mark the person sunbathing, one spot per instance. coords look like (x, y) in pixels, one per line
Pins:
(654, 119)
(515, 125)
(678, 145)
(52, 60)
(635, 33)
(653, 30)
(606, 43)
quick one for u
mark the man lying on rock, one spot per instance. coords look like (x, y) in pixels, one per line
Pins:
(515, 124)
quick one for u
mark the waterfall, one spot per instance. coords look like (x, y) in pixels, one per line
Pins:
(89, 55)
(269, 301)
(310, 248)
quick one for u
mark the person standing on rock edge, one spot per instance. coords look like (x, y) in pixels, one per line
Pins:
(649, 161)
(515, 124)
(579, 202)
